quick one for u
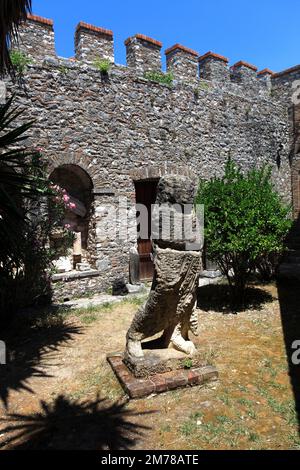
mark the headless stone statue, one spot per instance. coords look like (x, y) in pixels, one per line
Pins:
(170, 308)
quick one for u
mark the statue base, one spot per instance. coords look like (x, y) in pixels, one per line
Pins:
(158, 361)
(160, 371)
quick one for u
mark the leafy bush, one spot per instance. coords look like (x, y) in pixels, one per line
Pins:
(103, 65)
(245, 222)
(159, 77)
(20, 61)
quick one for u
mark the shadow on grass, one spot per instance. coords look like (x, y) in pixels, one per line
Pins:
(66, 425)
(30, 340)
(216, 298)
(289, 300)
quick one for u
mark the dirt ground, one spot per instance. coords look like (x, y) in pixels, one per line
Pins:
(58, 392)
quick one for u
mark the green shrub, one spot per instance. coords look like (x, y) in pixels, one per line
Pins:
(245, 222)
(103, 65)
(20, 61)
(159, 77)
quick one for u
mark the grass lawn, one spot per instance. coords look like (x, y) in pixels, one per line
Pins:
(59, 392)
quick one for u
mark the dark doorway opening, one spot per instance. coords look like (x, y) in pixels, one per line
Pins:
(145, 195)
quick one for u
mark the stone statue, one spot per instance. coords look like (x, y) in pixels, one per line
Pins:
(170, 308)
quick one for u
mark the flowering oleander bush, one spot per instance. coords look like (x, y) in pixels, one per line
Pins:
(60, 202)
(25, 254)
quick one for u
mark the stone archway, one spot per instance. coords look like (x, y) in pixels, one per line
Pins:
(79, 189)
(155, 172)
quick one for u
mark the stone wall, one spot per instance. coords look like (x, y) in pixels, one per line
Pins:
(123, 128)
(75, 285)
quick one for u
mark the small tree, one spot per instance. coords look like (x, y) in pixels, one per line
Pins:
(245, 222)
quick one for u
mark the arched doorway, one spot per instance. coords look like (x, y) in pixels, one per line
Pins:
(77, 216)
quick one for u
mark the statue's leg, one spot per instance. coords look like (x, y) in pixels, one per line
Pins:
(180, 340)
(186, 310)
(188, 321)
(134, 345)
(150, 319)
(137, 332)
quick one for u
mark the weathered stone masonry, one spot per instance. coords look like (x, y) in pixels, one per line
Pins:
(123, 128)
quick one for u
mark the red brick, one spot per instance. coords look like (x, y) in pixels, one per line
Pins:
(144, 38)
(214, 56)
(40, 19)
(140, 389)
(159, 383)
(209, 373)
(179, 47)
(94, 29)
(175, 379)
(287, 71)
(115, 360)
(265, 72)
(194, 378)
(245, 64)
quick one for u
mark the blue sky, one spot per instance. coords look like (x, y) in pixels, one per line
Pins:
(265, 33)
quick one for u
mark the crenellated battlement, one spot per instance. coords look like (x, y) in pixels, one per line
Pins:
(116, 130)
(89, 39)
(36, 37)
(144, 54)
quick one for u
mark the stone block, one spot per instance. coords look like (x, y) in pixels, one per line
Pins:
(157, 361)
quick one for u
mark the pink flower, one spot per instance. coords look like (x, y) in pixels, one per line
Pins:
(72, 205)
(66, 198)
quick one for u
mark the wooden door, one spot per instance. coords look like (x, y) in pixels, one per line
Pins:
(146, 195)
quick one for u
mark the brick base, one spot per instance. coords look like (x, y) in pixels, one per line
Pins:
(159, 383)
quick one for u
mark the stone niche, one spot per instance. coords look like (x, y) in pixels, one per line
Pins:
(78, 186)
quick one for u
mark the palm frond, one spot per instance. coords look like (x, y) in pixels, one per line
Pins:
(22, 180)
(12, 14)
